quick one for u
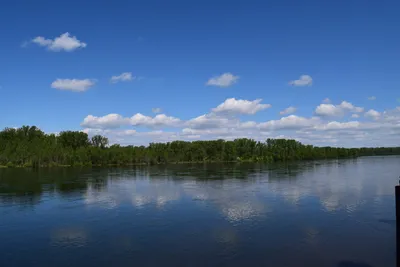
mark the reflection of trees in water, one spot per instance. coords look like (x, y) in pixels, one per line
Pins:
(27, 185)
(68, 188)
(98, 183)
(238, 192)
(312, 177)
(219, 171)
(20, 186)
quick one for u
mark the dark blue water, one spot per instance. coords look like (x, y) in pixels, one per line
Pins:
(321, 213)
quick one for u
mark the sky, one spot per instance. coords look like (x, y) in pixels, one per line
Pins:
(320, 72)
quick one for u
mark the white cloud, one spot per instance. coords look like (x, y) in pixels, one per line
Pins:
(127, 137)
(240, 106)
(108, 121)
(306, 130)
(349, 107)
(372, 114)
(289, 122)
(94, 131)
(224, 80)
(326, 101)
(209, 132)
(63, 42)
(392, 115)
(288, 111)
(124, 77)
(128, 132)
(116, 121)
(372, 98)
(304, 80)
(330, 110)
(156, 110)
(75, 85)
(248, 125)
(383, 130)
(334, 125)
(208, 121)
(158, 121)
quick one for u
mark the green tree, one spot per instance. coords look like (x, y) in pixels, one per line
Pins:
(28, 146)
(99, 141)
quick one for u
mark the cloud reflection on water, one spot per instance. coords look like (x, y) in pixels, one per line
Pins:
(138, 192)
(235, 203)
(338, 185)
(328, 210)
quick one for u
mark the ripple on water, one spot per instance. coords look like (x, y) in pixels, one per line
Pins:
(69, 237)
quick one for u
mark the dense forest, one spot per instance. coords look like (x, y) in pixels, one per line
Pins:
(28, 146)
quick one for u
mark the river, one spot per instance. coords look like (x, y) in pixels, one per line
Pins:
(315, 213)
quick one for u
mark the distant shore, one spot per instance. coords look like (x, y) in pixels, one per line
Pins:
(29, 147)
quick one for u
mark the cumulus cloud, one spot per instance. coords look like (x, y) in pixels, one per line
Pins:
(95, 131)
(304, 80)
(240, 106)
(247, 125)
(208, 132)
(116, 121)
(128, 137)
(372, 114)
(65, 42)
(288, 111)
(382, 130)
(392, 115)
(348, 106)
(156, 110)
(74, 85)
(225, 80)
(123, 77)
(289, 122)
(330, 110)
(107, 121)
(335, 125)
(157, 121)
(208, 121)
(372, 98)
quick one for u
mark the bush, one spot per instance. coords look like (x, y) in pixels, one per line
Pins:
(10, 165)
(27, 165)
(88, 164)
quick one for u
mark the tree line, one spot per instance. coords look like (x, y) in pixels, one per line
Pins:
(28, 146)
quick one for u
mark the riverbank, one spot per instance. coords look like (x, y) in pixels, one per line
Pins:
(26, 166)
(29, 147)
(116, 165)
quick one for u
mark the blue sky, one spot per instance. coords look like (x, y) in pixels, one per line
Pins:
(188, 57)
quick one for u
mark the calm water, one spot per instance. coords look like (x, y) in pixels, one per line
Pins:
(322, 213)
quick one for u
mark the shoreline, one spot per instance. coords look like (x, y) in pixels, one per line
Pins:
(169, 163)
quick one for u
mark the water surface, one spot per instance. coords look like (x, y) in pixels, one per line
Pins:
(317, 213)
